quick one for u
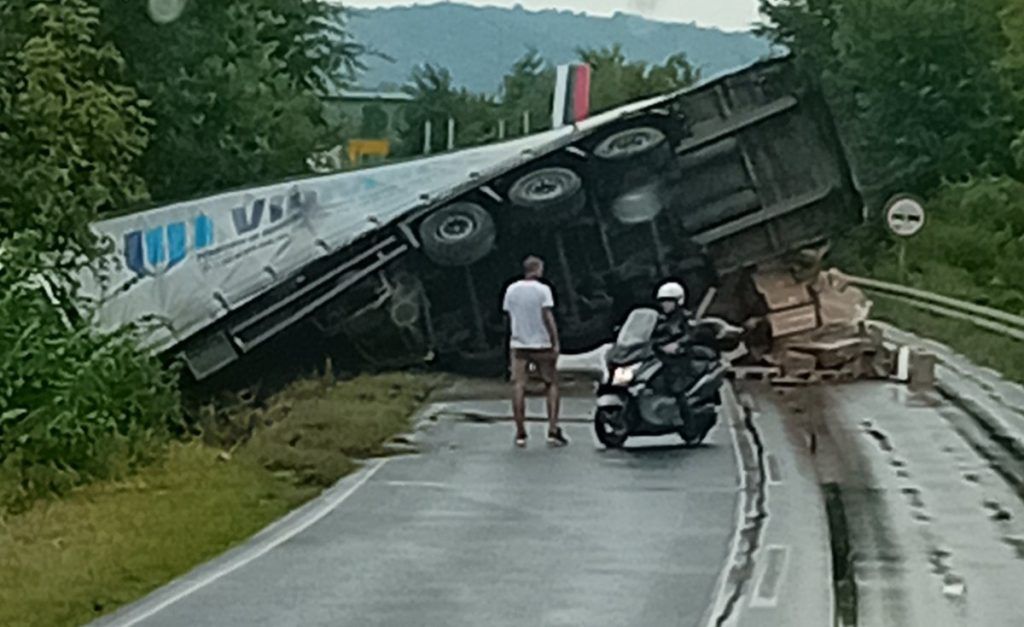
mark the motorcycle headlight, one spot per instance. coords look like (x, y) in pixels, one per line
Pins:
(624, 375)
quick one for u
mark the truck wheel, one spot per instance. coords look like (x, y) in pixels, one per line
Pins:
(458, 235)
(548, 195)
(637, 148)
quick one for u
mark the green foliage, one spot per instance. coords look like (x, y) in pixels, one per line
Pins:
(74, 404)
(374, 122)
(617, 81)
(436, 99)
(233, 119)
(129, 537)
(1012, 66)
(929, 96)
(915, 86)
(971, 248)
(312, 39)
(236, 87)
(70, 132)
(987, 349)
(528, 88)
(472, 40)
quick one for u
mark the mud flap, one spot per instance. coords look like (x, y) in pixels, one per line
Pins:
(611, 400)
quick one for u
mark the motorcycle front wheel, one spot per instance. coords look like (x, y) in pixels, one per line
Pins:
(610, 426)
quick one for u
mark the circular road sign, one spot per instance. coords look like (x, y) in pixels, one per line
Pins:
(905, 216)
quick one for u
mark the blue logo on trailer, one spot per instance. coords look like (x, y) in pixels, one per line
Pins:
(248, 219)
(263, 211)
(154, 251)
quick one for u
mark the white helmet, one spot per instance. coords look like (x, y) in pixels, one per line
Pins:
(672, 291)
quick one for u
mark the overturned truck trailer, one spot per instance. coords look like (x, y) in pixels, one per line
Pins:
(408, 261)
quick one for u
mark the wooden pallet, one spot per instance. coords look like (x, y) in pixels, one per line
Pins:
(755, 373)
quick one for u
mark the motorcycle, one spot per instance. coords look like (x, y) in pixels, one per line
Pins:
(637, 397)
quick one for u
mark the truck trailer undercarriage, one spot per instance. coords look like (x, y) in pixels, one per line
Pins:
(701, 186)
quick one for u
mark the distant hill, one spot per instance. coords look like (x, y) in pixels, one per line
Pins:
(479, 44)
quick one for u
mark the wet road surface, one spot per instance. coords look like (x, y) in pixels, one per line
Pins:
(935, 530)
(474, 532)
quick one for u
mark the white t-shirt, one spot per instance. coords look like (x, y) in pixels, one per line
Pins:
(525, 301)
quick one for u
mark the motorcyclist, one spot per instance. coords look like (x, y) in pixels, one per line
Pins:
(672, 335)
(678, 341)
(674, 321)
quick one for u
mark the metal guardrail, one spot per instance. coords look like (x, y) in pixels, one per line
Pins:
(994, 320)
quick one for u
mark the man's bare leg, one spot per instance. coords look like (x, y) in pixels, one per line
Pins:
(555, 435)
(519, 408)
(554, 399)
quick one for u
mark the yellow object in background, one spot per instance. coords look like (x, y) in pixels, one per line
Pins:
(358, 149)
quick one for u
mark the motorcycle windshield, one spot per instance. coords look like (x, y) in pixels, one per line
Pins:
(638, 328)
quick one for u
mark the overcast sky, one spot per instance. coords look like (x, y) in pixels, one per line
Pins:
(725, 14)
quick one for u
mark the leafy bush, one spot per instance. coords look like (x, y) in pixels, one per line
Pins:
(75, 405)
(972, 246)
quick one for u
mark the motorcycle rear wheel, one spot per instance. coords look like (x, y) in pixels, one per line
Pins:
(694, 434)
(693, 439)
(610, 427)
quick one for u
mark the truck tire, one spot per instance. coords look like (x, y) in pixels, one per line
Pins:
(458, 235)
(548, 195)
(637, 148)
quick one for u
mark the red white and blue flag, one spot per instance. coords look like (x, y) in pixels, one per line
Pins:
(572, 94)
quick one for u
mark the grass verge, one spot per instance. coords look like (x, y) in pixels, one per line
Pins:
(67, 561)
(984, 348)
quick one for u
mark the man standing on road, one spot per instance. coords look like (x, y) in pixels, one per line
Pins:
(533, 340)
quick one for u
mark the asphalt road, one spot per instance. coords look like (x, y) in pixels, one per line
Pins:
(475, 532)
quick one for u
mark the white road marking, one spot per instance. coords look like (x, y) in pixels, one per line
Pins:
(416, 484)
(773, 573)
(283, 530)
(722, 589)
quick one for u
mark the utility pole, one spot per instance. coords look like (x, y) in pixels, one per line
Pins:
(427, 131)
(451, 133)
(526, 122)
(501, 129)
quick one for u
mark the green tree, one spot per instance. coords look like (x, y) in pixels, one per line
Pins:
(374, 123)
(70, 133)
(234, 118)
(528, 87)
(915, 86)
(237, 88)
(436, 99)
(74, 404)
(313, 40)
(1012, 67)
(616, 81)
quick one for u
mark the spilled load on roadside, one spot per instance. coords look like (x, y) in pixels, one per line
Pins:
(812, 325)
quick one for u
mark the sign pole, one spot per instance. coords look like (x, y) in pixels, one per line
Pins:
(902, 261)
